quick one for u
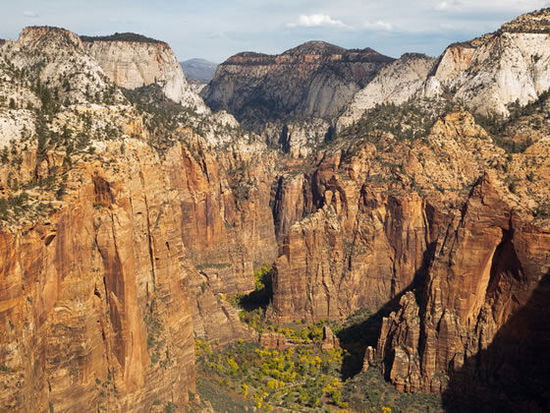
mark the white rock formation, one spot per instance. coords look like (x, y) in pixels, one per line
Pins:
(132, 64)
(509, 67)
(57, 59)
(489, 73)
(395, 83)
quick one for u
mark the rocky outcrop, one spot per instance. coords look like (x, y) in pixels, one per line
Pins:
(132, 62)
(361, 226)
(329, 340)
(101, 314)
(491, 72)
(314, 80)
(344, 244)
(273, 340)
(114, 256)
(56, 59)
(485, 269)
(114, 297)
(396, 83)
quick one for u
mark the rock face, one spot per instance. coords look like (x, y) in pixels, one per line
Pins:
(273, 340)
(396, 83)
(484, 273)
(330, 341)
(112, 267)
(314, 80)
(133, 62)
(101, 314)
(78, 79)
(123, 231)
(498, 69)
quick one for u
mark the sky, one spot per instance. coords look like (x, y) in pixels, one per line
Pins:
(217, 29)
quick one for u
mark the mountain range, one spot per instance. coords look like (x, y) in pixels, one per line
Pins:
(320, 230)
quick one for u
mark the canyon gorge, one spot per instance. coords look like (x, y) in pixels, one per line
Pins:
(135, 213)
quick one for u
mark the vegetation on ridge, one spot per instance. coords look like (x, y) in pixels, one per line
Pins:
(121, 37)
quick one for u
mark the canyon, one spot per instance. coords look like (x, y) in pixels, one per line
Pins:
(135, 213)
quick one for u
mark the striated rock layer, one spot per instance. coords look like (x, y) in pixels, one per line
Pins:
(114, 255)
(314, 80)
(135, 63)
(357, 228)
(486, 269)
(95, 304)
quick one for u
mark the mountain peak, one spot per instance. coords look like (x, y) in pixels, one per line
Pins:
(316, 47)
(34, 36)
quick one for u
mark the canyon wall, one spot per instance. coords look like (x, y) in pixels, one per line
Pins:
(96, 305)
(313, 80)
(135, 63)
(485, 271)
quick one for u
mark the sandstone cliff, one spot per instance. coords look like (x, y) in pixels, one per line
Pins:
(484, 272)
(395, 83)
(134, 61)
(314, 80)
(114, 254)
(127, 219)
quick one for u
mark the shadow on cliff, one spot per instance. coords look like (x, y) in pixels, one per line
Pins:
(513, 373)
(262, 296)
(356, 338)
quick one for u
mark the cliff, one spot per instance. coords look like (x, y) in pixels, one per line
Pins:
(114, 252)
(132, 62)
(314, 80)
(129, 219)
(482, 277)
(491, 72)
(396, 83)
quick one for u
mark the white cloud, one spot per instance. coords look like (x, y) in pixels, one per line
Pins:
(448, 4)
(378, 25)
(30, 14)
(316, 20)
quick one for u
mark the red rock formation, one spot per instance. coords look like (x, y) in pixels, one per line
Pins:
(487, 264)
(359, 249)
(100, 301)
(329, 341)
(94, 302)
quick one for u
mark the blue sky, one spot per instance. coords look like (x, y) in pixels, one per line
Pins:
(217, 29)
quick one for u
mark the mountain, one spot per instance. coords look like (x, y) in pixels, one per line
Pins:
(106, 196)
(313, 80)
(132, 61)
(199, 70)
(396, 83)
(356, 232)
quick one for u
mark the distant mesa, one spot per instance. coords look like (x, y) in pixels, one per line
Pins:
(314, 80)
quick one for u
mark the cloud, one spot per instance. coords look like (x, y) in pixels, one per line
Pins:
(316, 20)
(30, 14)
(448, 4)
(378, 25)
